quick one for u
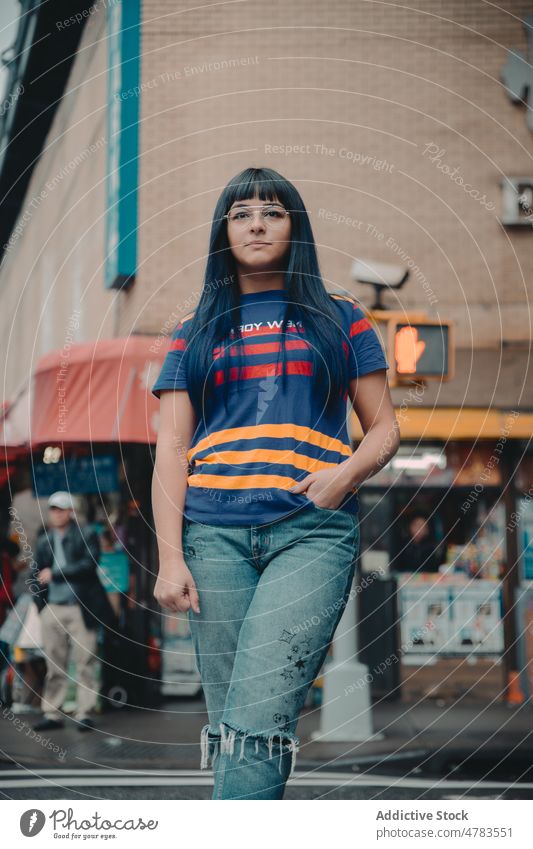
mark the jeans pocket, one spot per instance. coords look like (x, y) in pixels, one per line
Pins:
(335, 511)
(325, 509)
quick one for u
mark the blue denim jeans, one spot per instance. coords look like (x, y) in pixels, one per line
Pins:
(271, 597)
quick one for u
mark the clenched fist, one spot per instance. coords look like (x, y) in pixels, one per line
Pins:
(175, 589)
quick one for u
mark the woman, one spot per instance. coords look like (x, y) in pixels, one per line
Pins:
(253, 451)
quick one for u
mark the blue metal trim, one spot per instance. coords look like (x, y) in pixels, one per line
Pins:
(124, 39)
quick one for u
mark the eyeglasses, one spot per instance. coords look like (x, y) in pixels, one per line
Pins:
(274, 216)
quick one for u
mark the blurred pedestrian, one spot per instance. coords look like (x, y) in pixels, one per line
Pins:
(421, 553)
(114, 569)
(72, 604)
(9, 550)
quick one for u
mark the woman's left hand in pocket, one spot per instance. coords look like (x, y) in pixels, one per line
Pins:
(326, 488)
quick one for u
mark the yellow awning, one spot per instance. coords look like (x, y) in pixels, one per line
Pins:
(457, 423)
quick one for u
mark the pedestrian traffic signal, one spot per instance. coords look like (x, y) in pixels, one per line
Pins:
(421, 350)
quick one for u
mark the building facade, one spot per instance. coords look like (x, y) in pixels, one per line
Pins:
(402, 129)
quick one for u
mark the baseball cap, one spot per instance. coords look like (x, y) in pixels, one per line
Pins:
(61, 499)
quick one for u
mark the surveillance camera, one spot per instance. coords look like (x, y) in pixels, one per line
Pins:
(383, 274)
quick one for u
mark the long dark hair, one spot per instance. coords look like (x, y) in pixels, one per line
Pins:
(218, 309)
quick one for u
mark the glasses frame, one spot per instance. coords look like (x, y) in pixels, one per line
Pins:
(286, 212)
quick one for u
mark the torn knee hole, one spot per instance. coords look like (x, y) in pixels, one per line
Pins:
(226, 738)
(209, 745)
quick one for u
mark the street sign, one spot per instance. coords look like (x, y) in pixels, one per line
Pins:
(79, 475)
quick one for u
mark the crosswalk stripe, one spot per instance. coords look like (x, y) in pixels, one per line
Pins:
(178, 778)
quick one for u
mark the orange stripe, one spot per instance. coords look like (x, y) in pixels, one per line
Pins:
(272, 431)
(175, 344)
(342, 297)
(241, 481)
(267, 455)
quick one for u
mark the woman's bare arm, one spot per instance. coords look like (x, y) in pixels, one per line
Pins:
(174, 588)
(372, 402)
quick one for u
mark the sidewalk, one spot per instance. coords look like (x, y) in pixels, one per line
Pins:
(168, 738)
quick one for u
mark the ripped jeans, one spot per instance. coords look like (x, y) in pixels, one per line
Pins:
(271, 597)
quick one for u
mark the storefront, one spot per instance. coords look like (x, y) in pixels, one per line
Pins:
(438, 541)
(523, 521)
(93, 431)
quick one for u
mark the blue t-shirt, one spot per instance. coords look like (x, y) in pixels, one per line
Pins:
(243, 460)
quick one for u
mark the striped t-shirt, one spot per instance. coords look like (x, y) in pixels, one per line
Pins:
(243, 459)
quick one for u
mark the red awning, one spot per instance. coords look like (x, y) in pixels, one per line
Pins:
(98, 392)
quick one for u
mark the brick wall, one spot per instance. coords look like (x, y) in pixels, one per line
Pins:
(51, 279)
(364, 88)
(358, 79)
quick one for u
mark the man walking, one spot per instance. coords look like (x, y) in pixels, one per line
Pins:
(72, 603)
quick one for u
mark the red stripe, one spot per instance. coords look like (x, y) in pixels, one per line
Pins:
(268, 370)
(248, 372)
(178, 345)
(299, 367)
(262, 348)
(360, 326)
